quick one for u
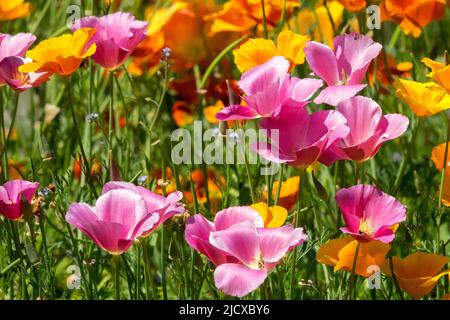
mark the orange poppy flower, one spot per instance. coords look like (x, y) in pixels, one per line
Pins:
(14, 9)
(274, 216)
(418, 274)
(412, 15)
(288, 192)
(340, 254)
(147, 55)
(61, 55)
(437, 156)
(354, 5)
(182, 114)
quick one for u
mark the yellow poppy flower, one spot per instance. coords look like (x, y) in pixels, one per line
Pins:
(340, 254)
(61, 55)
(439, 72)
(274, 216)
(317, 22)
(425, 99)
(257, 51)
(211, 111)
(288, 192)
(417, 274)
(14, 9)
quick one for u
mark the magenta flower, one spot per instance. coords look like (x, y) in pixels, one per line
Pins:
(344, 69)
(116, 36)
(243, 251)
(369, 129)
(369, 213)
(122, 214)
(20, 81)
(266, 87)
(12, 196)
(298, 138)
(12, 51)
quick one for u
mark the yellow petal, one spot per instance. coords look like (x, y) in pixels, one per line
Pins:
(424, 99)
(291, 45)
(253, 53)
(279, 215)
(262, 209)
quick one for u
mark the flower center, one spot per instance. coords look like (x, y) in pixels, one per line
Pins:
(366, 227)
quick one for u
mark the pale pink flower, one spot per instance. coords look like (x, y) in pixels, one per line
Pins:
(369, 129)
(369, 213)
(121, 214)
(266, 87)
(243, 251)
(116, 36)
(342, 69)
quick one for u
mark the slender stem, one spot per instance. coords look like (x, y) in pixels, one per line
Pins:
(444, 165)
(351, 287)
(266, 34)
(296, 223)
(110, 113)
(280, 181)
(5, 141)
(394, 277)
(116, 261)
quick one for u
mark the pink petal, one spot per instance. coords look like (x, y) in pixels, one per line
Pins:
(354, 52)
(303, 89)
(233, 215)
(109, 236)
(15, 46)
(237, 280)
(197, 236)
(236, 112)
(240, 240)
(121, 206)
(259, 78)
(335, 94)
(322, 62)
(275, 242)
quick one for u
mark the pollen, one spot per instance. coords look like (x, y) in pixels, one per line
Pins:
(366, 227)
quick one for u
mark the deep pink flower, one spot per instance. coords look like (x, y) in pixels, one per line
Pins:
(369, 213)
(302, 138)
(12, 195)
(122, 214)
(369, 129)
(116, 36)
(20, 81)
(344, 69)
(13, 47)
(243, 251)
(266, 87)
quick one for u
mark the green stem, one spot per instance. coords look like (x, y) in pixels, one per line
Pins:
(351, 287)
(116, 262)
(266, 34)
(297, 219)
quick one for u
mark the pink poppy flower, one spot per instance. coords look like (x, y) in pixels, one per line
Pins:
(243, 250)
(369, 213)
(14, 46)
(344, 69)
(298, 138)
(121, 215)
(12, 195)
(116, 36)
(369, 129)
(166, 207)
(20, 81)
(266, 87)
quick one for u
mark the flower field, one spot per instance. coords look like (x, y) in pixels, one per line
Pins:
(224, 149)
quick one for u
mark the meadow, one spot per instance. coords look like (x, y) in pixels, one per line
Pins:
(224, 149)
